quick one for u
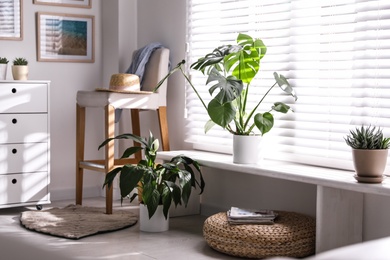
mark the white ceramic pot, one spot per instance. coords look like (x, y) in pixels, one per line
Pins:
(246, 149)
(20, 72)
(157, 223)
(3, 71)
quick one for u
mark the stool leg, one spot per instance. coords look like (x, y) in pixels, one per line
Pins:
(80, 141)
(109, 152)
(136, 129)
(163, 121)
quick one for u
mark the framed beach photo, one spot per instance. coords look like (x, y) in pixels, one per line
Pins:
(11, 21)
(68, 3)
(65, 37)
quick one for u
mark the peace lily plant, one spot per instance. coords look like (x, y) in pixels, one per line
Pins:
(158, 184)
(230, 70)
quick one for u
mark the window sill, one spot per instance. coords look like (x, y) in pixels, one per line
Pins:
(327, 177)
(339, 202)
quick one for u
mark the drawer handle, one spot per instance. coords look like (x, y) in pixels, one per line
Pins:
(14, 181)
(14, 150)
(14, 121)
(13, 90)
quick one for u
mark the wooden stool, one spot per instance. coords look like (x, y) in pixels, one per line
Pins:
(292, 235)
(155, 70)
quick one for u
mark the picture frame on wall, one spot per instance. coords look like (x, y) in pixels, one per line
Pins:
(65, 37)
(67, 3)
(11, 20)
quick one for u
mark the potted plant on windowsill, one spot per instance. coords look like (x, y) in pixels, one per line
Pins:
(20, 69)
(158, 184)
(3, 68)
(369, 153)
(230, 70)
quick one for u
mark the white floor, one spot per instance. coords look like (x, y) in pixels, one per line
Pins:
(183, 240)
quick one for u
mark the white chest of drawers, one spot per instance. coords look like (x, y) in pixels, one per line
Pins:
(24, 143)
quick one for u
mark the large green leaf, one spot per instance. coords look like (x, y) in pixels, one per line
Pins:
(221, 114)
(111, 176)
(175, 192)
(151, 198)
(213, 59)
(229, 88)
(185, 177)
(285, 85)
(264, 122)
(129, 178)
(246, 61)
(166, 201)
(186, 193)
(281, 107)
(130, 151)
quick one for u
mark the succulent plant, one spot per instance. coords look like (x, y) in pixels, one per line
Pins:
(20, 61)
(367, 137)
(3, 60)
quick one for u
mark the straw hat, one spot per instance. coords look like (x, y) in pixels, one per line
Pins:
(124, 83)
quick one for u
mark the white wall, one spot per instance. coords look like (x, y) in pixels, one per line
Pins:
(66, 79)
(164, 21)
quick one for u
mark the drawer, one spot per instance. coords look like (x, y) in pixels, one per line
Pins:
(29, 157)
(19, 98)
(22, 128)
(24, 187)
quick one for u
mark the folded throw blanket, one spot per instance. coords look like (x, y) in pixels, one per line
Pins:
(140, 58)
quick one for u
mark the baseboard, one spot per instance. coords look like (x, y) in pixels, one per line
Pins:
(69, 194)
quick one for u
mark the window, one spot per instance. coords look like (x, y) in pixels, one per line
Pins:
(336, 53)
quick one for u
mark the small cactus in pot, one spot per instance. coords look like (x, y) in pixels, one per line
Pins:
(20, 69)
(369, 153)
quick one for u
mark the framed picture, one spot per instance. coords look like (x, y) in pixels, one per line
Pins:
(69, 3)
(11, 22)
(65, 37)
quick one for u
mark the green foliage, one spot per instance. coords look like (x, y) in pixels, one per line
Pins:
(3, 60)
(230, 70)
(367, 137)
(161, 184)
(20, 61)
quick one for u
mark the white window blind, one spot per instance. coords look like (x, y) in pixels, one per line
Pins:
(336, 53)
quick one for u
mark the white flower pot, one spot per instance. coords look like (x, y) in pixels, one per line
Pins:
(246, 149)
(20, 72)
(3, 71)
(157, 223)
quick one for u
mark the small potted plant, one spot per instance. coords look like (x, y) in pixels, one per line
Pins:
(230, 70)
(20, 69)
(369, 153)
(3, 68)
(158, 184)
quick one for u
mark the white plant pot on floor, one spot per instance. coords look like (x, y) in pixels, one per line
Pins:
(246, 149)
(157, 223)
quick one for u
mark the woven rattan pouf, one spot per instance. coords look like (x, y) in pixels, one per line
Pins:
(292, 235)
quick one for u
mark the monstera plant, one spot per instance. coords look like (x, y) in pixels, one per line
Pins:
(230, 70)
